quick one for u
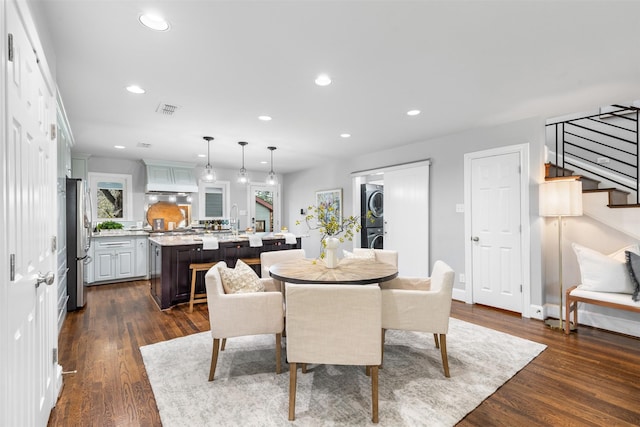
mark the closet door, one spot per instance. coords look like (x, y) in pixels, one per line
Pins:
(406, 217)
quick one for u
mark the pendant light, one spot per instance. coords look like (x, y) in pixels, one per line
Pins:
(208, 175)
(243, 175)
(272, 179)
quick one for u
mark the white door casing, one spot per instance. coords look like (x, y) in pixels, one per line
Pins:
(251, 203)
(496, 228)
(29, 227)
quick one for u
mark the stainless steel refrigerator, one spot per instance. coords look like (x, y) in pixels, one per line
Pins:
(78, 240)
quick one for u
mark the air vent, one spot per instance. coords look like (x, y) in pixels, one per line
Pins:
(143, 145)
(167, 109)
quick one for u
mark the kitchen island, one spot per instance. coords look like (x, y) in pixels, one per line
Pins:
(170, 256)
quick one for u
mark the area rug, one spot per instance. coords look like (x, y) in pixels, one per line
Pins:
(413, 388)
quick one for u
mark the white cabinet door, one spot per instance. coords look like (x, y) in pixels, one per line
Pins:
(104, 265)
(142, 255)
(125, 263)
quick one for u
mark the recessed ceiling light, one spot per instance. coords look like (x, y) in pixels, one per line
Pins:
(135, 89)
(264, 118)
(154, 22)
(413, 112)
(323, 80)
(345, 135)
(202, 155)
(119, 147)
(264, 162)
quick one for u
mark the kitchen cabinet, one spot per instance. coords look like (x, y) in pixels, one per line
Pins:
(169, 272)
(117, 258)
(142, 248)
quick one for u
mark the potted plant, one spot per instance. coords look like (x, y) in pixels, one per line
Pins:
(333, 230)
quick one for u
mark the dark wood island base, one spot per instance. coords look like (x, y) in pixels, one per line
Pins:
(169, 262)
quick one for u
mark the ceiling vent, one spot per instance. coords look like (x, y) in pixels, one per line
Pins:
(143, 145)
(167, 109)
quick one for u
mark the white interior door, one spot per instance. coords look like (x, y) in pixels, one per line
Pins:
(406, 217)
(496, 231)
(30, 197)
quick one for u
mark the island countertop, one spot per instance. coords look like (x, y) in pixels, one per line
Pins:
(196, 239)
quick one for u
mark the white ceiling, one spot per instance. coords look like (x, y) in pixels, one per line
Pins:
(464, 64)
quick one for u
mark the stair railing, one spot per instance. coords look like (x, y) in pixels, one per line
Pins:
(606, 145)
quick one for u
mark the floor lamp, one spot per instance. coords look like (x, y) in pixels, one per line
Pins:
(560, 198)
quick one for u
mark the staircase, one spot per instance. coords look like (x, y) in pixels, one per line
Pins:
(606, 205)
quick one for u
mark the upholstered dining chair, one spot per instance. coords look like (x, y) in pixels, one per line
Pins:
(336, 325)
(387, 256)
(267, 259)
(240, 314)
(421, 304)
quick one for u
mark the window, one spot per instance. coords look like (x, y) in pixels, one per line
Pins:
(264, 207)
(111, 196)
(213, 201)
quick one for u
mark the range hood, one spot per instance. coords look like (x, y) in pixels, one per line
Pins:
(170, 177)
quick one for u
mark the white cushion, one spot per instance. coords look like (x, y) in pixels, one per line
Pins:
(362, 254)
(604, 273)
(240, 279)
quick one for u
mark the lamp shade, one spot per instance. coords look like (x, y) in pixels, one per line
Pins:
(561, 198)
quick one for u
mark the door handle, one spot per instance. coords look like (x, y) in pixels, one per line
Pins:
(45, 278)
(475, 238)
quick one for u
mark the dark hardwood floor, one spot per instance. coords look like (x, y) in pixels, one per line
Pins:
(587, 379)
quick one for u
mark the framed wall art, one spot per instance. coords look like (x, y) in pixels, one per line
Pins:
(331, 202)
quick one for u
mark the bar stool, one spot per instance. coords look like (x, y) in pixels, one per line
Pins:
(195, 268)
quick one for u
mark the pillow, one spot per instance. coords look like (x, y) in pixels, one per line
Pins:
(604, 273)
(633, 265)
(363, 254)
(240, 279)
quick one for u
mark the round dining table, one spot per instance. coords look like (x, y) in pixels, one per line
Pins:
(353, 271)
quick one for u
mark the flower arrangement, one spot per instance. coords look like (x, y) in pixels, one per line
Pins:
(325, 219)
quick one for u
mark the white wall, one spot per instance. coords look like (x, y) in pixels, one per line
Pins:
(136, 169)
(447, 187)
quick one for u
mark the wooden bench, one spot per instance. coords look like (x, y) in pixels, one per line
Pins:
(574, 295)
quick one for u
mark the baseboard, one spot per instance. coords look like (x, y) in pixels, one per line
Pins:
(623, 322)
(59, 383)
(459, 295)
(537, 312)
(610, 323)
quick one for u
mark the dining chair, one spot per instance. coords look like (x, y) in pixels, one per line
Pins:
(267, 259)
(422, 305)
(387, 256)
(336, 325)
(240, 314)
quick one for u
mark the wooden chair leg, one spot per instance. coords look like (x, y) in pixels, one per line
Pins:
(214, 358)
(443, 352)
(293, 370)
(224, 343)
(278, 353)
(304, 368)
(374, 394)
(192, 296)
(382, 345)
(367, 370)
(435, 339)
(568, 308)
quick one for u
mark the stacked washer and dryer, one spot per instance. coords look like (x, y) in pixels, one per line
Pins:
(372, 199)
